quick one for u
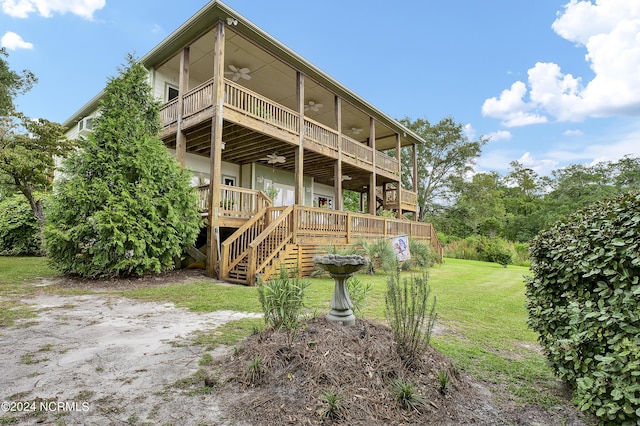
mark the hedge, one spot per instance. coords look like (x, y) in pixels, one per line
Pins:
(583, 300)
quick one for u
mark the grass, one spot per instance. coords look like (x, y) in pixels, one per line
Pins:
(480, 306)
(16, 279)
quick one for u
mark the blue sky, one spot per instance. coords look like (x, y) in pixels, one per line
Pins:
(551, 82)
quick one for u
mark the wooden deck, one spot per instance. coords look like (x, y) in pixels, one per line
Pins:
(267, 236)
(250, 109)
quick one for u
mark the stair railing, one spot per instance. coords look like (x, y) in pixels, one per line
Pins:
(236, 248)
(266, 246)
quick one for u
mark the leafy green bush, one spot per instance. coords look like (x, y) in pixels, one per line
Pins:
(583, 300)
(357, 293)
(123, 206)
(494, 250)
(282, 300)
(487, 249)
(411, 316)
(18, 227)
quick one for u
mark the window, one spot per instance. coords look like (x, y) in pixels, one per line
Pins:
(323, 201)
(85, 125)
(228, 180)
(172, 92)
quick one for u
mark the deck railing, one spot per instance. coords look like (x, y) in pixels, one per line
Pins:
(198, 99)
(259, 107)
(254, 248)
(234, 201)
(356, 151)
(264, 249)
(239, 98)
(321, 134)
(390, 164)
(169, 113)
(407, 197)
(317, 222)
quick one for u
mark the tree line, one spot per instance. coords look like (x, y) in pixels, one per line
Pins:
(515, 206)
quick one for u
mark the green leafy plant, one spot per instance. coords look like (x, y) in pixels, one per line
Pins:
(381, 254)
(332, 407)
(411, 315)
(422, 256)
(282, 301)
(18, 227)
(255, 371)
(124, 206)
(583, 300)
(406, 395)
(357, 293)
(443, 379)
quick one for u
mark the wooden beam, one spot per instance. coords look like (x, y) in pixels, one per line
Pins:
(181, 138)
(213, 240)
(299, 174)
(372, 176)
(338, 164)
(415, 174)
(399, 184)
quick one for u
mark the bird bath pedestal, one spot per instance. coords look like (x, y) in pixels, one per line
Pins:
(341, 268)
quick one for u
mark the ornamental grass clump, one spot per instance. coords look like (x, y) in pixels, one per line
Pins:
(584, 301)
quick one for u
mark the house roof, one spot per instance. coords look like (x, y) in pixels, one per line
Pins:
(204, 20)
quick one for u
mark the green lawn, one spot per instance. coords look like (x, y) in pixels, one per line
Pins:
(480, 309)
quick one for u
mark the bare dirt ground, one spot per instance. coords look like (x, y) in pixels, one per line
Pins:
(103, 359)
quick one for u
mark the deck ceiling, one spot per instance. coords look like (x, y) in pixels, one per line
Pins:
(276, 80)
(244, 146)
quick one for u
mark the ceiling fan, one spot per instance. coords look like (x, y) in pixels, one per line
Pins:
(238, 73)
(274, 159)
(355, 130)
(313, 106)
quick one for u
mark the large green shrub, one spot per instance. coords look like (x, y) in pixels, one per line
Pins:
(584, 301)
(18, 227)
(123, 206)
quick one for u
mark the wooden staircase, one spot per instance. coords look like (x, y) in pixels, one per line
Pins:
(257, 248)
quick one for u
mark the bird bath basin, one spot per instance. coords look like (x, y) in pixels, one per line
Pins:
(341, 268)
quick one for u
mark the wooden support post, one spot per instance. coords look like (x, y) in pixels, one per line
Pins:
(299, 171)
(213, 237)
(183, 87)
(338, 164)
(415, 175)
(372, 178)
(399, 184)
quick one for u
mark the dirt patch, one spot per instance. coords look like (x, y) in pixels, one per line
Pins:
(93, 359)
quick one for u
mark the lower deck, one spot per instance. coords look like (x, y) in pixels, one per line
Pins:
(253, 239)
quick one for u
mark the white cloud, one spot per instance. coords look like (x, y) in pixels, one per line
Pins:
(612, 150)
(469, 131)
(499, 135)
(609, 30)
(13, 41)
(540, 166)
(573, 132)
(511, 108)
(46, 8)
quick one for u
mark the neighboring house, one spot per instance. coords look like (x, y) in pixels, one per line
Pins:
(249, 117)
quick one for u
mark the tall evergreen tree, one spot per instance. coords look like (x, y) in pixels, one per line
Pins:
(124, 206)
